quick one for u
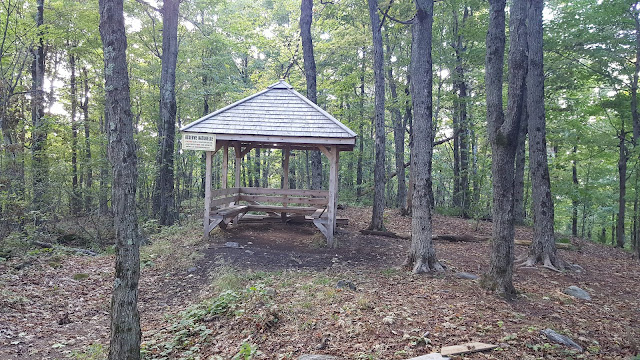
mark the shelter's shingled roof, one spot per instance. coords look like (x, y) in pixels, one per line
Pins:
(277, 111)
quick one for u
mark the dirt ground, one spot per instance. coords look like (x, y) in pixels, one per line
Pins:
(297, 308)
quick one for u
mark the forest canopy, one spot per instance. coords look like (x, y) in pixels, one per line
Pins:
(53, 161)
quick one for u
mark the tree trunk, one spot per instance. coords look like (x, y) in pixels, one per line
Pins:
(164, 206)
(622, 177)
(543, 246)
(125, 319)
(422, 254)
(75, 192)
(306, 18)
(379, 167)
(360, 139)
(503, 135)
(398, 134)
(205, 111)
(574, 200)
(462, 197)
(636, 120)
(408, 120)
(104, 172)
(88, 198)
(40, 166)
(519, 204)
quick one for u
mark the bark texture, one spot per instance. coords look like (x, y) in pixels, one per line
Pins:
(306, 18)
(39, 133)
(398, 133)
(503, 135)
(164, 200)
(622, 180)
(543, 247)
(519, 206)
(574, 200)
(75, 191)
(461, 196)
(359, 179)
(378, 73)
(125, 319)
(88, 196)
(422, 254)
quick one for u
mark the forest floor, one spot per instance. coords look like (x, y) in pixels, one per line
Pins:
(275, 297)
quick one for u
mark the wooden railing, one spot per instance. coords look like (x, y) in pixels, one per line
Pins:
(277, 199)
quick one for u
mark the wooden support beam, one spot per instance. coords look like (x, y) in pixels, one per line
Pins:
(333, 191)
(225, 166)
(325, 151)
(238, 163)
(285, 178)
(336, 153)
(207, 194)
(246, 150)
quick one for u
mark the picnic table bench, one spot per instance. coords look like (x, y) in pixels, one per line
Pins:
(230, 205)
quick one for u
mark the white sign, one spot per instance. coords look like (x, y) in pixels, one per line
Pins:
(198, 141)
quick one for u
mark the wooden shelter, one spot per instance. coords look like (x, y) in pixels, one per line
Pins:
(277, 117)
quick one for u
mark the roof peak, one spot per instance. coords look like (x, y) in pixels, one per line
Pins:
(281, 85)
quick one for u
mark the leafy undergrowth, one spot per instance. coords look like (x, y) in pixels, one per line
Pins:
(275, 297)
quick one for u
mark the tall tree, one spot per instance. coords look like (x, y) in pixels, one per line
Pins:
(398, 132)
(88, 198)
(635, 13)
(39, 133)
(359, 176)
(503, 135)
(164, 200)
(379, 167)
(306, 18)
(623, 157)
(422, 254)
(75, 191)
(543, 246)
(461, 195)
(519, 211)
(125, 318)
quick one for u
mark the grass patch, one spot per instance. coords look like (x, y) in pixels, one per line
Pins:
(80, 276)
(92, 352)
(173, 246)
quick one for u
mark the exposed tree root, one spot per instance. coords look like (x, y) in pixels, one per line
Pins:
(385, 233)
(422, 265)
(491, 283)
(558, 265)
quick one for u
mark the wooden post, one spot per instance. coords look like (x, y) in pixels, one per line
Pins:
(333, 194)
(207, 194)
(285, 178)
(238, 163)
(225, 166)
(337, 182)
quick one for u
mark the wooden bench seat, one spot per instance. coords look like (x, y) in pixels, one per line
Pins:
(285, 209)
(231, 204)
(231, 211)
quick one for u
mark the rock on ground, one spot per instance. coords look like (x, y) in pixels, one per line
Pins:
(576, 292)
(345, 284)
(561, 339)
(466, 275)
(318, 357)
